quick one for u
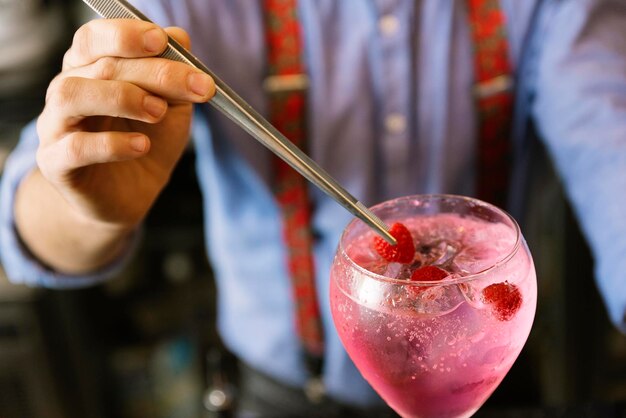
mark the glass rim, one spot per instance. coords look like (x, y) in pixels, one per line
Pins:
(444, 282)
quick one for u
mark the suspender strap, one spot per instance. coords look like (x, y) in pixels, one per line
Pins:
(494, 99)
(286, 85)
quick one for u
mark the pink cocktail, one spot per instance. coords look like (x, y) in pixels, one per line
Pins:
(435, 345)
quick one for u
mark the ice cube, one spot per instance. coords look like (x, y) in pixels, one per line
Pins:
(393, 270)
(448, 253)
(475, 258)
(438, 299)
(471, 295)
(438, 253)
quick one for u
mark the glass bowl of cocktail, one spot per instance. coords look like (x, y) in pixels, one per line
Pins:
(435, 322)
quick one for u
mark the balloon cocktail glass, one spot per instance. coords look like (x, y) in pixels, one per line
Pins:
(436, 322)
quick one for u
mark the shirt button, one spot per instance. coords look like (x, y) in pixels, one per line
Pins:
(388, 25)
(395, 123)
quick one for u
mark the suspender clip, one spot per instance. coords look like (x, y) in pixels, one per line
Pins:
(277, 84)
(493, 87)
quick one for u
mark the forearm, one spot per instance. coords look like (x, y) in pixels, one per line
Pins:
(60, 237)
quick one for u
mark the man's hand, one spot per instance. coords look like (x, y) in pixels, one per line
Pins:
(115, 123)
(117, 119)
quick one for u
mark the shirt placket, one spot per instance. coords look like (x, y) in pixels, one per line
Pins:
(394, 32)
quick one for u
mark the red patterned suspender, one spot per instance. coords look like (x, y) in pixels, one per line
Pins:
(286, 85)
(494, 99)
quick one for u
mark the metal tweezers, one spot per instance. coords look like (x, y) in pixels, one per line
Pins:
(240, 112)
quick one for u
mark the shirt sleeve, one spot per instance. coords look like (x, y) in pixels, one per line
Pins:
(19, 265)
(580, 109)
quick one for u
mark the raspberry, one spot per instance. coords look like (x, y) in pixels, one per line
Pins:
(403, 251)
(505, 299)
(425, 274)
(429, 274)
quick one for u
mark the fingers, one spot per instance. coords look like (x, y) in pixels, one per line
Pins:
(119, 51)
(72, 99)
(174, 81)
(102, 49)
(116, 38)
(81, 149)
(111, 78)
(107, 74)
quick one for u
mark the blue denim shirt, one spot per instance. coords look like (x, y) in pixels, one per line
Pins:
(390, 113)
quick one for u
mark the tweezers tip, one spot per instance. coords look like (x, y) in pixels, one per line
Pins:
(378, 224)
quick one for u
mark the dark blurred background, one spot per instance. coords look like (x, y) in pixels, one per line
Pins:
(145, 344)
